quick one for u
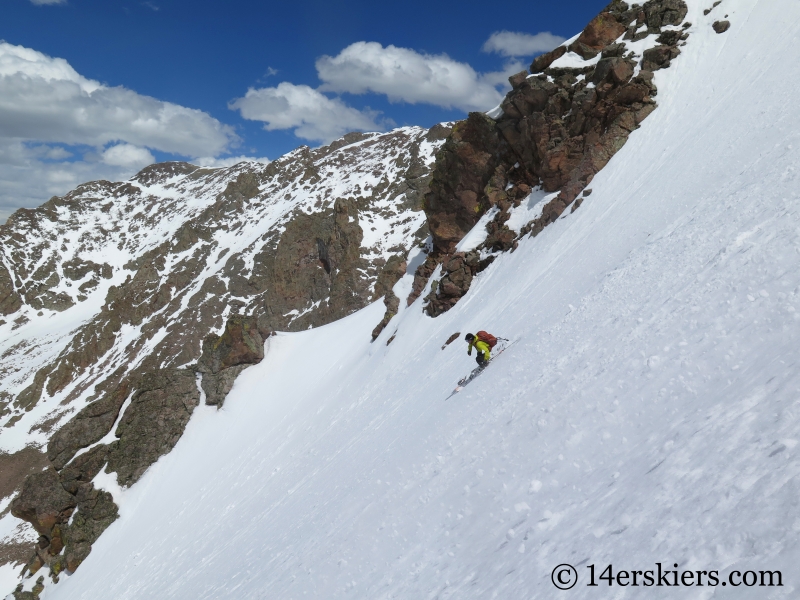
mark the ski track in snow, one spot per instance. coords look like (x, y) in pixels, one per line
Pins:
(649, 413)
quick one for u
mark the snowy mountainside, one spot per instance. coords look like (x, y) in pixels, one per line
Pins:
(116, 282)
(646, 415)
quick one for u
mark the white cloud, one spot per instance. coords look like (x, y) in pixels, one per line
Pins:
(28, 175)
(500, 78)
(311, 114)
(128, 156)
(50, 114)
(512, 43)
(46, 2)
(45, 99)
(228, 161)
(405, 75)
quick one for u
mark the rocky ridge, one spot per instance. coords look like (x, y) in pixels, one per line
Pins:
(123, 303)
(561, 123)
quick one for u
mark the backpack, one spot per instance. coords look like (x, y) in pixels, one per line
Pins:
(487, 337)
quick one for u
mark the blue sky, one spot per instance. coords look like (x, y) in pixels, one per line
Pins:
(96, 89)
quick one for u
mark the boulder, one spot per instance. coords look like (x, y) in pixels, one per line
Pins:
(614, 69)
(451, 339)
(658, 57)
(721, 26)
(599, 33)
(43, 502)
(517, 79)
(659, 13)
(543, 61)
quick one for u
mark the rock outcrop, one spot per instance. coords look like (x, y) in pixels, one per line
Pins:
(153, 423)
(559, 126)
(48, 501)
(225, 356)
(465, 163)
(10, 301)
(392, 271)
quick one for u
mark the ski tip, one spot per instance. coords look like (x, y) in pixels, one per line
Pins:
(454, 392)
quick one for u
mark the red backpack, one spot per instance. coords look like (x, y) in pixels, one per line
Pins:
(487, 337)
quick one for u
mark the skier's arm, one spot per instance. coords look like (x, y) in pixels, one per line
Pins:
(469, 348)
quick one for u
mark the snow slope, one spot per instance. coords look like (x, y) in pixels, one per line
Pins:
(647, 414)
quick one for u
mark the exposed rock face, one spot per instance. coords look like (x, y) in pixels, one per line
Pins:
(15, 467)
(83, 469)
(89, 425)
(394, 269)
(317, 262)
(458, 271)
(463, 167)
(599, 33)
(96, 511)
(224, 357)
(153, 422)
(166, 266)
(43, 502)
(48, 500)
(10, 301)
(559, 127)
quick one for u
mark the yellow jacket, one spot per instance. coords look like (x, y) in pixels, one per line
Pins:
(480, 347)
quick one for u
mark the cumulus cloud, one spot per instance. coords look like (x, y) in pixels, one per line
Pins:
(311, 114)
(405, 75)
(512, 43)
(45, 99)
(229, 161)
(128, 156)
(29, 175)
(59, 129)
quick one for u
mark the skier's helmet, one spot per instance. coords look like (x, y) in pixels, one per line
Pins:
(469, 337)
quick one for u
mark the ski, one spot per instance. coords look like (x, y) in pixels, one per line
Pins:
(464, 381)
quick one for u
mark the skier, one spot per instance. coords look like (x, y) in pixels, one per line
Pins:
(483, 342)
